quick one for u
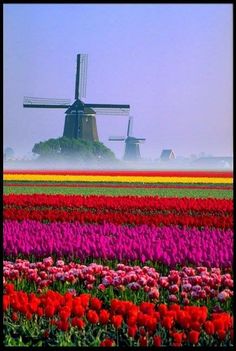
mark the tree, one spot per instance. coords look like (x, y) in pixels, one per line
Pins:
(79, 149)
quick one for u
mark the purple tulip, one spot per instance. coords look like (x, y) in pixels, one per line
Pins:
(169, 245)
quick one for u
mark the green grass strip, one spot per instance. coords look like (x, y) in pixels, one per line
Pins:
(197, 193)
(118, 183)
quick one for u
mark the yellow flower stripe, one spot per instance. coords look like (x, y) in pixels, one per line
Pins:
(122, 179)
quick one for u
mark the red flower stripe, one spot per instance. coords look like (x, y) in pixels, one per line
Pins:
(120, 202)
(126, 211)
(150, 173)
(66, 311)
(50, 215)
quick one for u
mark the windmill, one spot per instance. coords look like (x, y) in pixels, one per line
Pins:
(132, 151)
(80, 120)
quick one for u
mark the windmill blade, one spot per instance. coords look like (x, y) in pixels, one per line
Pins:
(130, 126)
(81, 76)
(45, 103)
(110, 109)
(140, 140)
(116, 138)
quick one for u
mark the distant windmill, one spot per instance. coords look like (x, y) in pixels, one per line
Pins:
(132, 151)
(80, 121)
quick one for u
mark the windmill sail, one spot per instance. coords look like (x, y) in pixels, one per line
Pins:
(81, 76)
(45, 102)
(80, 119)
(130, 126)
(116, 138)
(110, 109)
(141, 139)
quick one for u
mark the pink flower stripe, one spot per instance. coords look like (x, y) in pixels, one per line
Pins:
(191, 283)
(168, 245)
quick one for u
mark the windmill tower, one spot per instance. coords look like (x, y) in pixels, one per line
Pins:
(132, 151)
(80, 120)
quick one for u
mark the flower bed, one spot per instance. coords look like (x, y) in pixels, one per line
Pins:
(140, 270)
(123, 202)
(169, 245)
(185, 285)
(57, 215)
(116, 178)
(121, 322)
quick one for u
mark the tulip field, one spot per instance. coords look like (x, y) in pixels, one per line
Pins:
(118, 258)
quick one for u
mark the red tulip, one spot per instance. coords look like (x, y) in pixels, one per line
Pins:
(143, 341)
(193, 336)
(151, 324)
(85, 300)
(219, 324)
(107, 342)
(77, 322)
(195, 325)
(33, 306)
(115, 303)
(95, 303)
(142, 331)
(14, 317)
(63, 325)
(167, 322)
(6, 302)
(117, 321)
(29, 315)
(221, 334)
(104, 316)
(131, 321)
(147, 307)
(40, 311)
(78, 310)
(64, 313)
(132, 331)
(162, 308)
(92, 317)
(174, 307)
(157, 341)
(9, 288)
(177, 337)
(209, 327)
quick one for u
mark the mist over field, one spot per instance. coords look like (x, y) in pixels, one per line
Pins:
(119, 165)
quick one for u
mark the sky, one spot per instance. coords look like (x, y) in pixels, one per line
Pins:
(173, 63)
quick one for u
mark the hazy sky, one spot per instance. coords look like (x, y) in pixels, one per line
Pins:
(171, 63)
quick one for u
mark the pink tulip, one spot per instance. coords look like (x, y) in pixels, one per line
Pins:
(173, 298)
(60, 263)
(223, 296)
(154, 293)
(174, 289)
(101, 287)
(186, 302)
